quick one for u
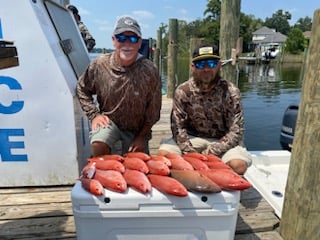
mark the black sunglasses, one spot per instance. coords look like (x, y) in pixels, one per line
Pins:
(122, 38)
(211, 63)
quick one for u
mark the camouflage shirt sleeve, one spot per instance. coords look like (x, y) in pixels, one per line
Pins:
(217, 114)
(179, 121)
(86, 36)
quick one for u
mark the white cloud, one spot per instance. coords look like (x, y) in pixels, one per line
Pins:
(83, 11)
(103, 25)
(183, 11)
(143, 14)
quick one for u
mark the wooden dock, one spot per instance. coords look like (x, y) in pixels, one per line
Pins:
(46, 212)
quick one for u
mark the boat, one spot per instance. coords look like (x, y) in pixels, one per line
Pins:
(269, 171)
(268, 174)
(271, 53)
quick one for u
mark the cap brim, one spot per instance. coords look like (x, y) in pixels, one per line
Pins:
(122, 30)
(206, 56)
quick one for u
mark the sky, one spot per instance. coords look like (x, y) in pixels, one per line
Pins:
(100, 16)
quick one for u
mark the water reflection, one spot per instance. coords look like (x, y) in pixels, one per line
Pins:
(258, 73)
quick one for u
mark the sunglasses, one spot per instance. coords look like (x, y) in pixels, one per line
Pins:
(210, 63)
(122, 38)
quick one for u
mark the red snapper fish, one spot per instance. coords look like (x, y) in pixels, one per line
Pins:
(108, 157)
(111, 179)
(167, 185)
(110, 165)
(161, 159)
(135, 163)
(137, 180)
(141, 155)
(89, 170)
(226, 179)
(218, 165)
(181, 164)
(196, 163)
(212, 158)
(173, 155)
(158, 167)
(92, 185)
(196, 155)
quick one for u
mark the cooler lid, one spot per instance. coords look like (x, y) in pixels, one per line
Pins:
(134, 200)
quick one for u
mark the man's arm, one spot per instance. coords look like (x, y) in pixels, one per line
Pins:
(85, 91)
(178, 123)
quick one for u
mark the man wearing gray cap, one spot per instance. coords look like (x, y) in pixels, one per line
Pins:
(128, 90)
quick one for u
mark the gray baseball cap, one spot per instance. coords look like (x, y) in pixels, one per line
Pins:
(127, 24)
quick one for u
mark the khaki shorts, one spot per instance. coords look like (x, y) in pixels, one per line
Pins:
(201, 144)
(115, 138)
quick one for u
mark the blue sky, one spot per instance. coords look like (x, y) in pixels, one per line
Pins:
(100, 16)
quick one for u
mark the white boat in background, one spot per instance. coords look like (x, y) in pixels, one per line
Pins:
(268, 175)
(270, 52)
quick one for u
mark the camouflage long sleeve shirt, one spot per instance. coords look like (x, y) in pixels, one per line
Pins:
(129, 96)
(216, 114)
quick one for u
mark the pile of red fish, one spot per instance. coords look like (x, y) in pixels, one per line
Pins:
(171, 174)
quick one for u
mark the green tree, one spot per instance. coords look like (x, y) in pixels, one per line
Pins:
(279, 21)
(207, 28)
(304, 24)
(295, 42)
(248, 24)
(213, 10)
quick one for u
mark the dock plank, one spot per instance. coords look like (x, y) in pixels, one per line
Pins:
(259, 236)
(39, 227)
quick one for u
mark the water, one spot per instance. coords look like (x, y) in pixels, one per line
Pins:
(266, 91)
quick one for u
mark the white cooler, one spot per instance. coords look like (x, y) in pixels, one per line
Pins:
(156, 216)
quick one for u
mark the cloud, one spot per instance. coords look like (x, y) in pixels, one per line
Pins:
(293, 10)
(83, 11)
(183, 11)
(143, 14)
(104, 25)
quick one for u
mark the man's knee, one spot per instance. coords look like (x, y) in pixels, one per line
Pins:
(162, 152)
(238, 165)
(99, 148)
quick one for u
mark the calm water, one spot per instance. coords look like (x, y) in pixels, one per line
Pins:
(266, 93)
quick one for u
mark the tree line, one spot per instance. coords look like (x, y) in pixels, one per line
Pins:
(208, 28)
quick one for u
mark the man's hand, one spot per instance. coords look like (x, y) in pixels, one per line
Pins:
(138, 145)
(100, 121)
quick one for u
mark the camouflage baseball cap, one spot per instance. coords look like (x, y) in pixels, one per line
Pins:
(127, 24)
(205, 51)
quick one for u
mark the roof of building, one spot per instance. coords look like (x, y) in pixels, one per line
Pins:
(276, 37)
(271, 36)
